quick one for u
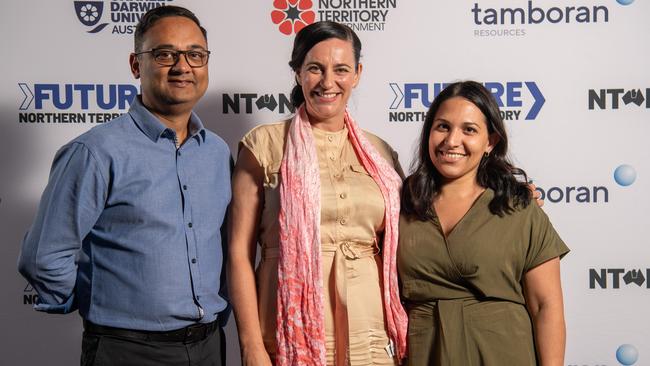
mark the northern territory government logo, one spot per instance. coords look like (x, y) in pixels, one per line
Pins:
(291, 16)
(412, 100)
(120, 17)
(73, 103)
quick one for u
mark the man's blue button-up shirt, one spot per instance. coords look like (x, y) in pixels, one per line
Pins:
(128, 227)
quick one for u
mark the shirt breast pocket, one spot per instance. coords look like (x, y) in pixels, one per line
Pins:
(357, 171)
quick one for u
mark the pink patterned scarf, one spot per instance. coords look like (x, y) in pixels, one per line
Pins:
(300, 318)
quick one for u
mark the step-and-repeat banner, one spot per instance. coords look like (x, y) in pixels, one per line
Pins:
(572, 79)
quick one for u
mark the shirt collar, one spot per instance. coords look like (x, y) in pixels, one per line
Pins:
(154, 129)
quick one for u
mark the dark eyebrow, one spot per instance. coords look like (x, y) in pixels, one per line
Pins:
(171, 47)
(321, 65)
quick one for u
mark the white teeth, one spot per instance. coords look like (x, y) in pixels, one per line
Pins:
(454, 155)
(327, 95)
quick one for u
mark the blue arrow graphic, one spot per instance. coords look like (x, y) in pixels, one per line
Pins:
(29, 96)
(399, 96)
(539, 100)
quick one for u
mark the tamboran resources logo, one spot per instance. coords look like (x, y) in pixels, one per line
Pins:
(624, 175)
(412, 100)
(616, 98)
(491, 21)
(626, 355)
(361, 15)
(118, 16)
(73, 103)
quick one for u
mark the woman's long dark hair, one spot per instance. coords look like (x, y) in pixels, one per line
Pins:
(308, 37)
(495, 170)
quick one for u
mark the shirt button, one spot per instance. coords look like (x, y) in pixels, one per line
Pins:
(337, 175)
(193, 260)
(330, 138)
(184, 187)
(178, 153)
(332, 158)
(190, 224)
(343, 221)
(343, 195)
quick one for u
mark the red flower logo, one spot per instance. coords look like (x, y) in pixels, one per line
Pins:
(292, 15)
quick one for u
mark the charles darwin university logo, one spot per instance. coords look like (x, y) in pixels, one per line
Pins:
(90, 13)
(121, 17)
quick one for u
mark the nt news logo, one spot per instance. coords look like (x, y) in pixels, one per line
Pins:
(616, 98)
(30, 297)
(615, 278)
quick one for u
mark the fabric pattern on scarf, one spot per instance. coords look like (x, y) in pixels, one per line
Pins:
(300, 318)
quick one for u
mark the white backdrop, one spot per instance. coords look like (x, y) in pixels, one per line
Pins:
(573, 78)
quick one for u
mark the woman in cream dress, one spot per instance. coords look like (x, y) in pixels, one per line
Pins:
(317, 176)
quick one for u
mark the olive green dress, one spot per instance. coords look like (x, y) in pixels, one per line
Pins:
(464, 293)
(352, 221)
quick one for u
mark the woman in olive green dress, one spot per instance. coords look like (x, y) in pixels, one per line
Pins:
(479, 265)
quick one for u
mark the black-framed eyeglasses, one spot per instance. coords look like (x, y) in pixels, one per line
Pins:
(169, 57)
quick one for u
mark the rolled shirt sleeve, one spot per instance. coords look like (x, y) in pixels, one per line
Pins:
(69, 207)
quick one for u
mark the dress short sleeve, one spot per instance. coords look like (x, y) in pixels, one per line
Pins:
(252, 141)
(266, 143)
(545, 243)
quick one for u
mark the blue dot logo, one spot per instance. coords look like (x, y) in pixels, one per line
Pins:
(625, 2)
(624, 175)
(627, 354)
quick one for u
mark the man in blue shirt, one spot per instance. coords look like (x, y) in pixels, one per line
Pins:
(128, 227)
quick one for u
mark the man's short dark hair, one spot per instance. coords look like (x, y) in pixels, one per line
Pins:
(152, 16)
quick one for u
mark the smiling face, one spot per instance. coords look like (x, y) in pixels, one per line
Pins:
(327, 77)
(175, 88)
(458, 139)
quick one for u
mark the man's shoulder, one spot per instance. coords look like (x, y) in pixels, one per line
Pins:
(214, 139)
(216, 142)
(107, 134)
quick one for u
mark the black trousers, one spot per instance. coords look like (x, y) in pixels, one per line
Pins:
(112, 350)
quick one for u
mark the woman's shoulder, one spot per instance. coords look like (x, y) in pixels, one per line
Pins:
(274, 131)
(381, 145)
(266, 142)
(527, 212)
(266, 135)
(377, 141)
